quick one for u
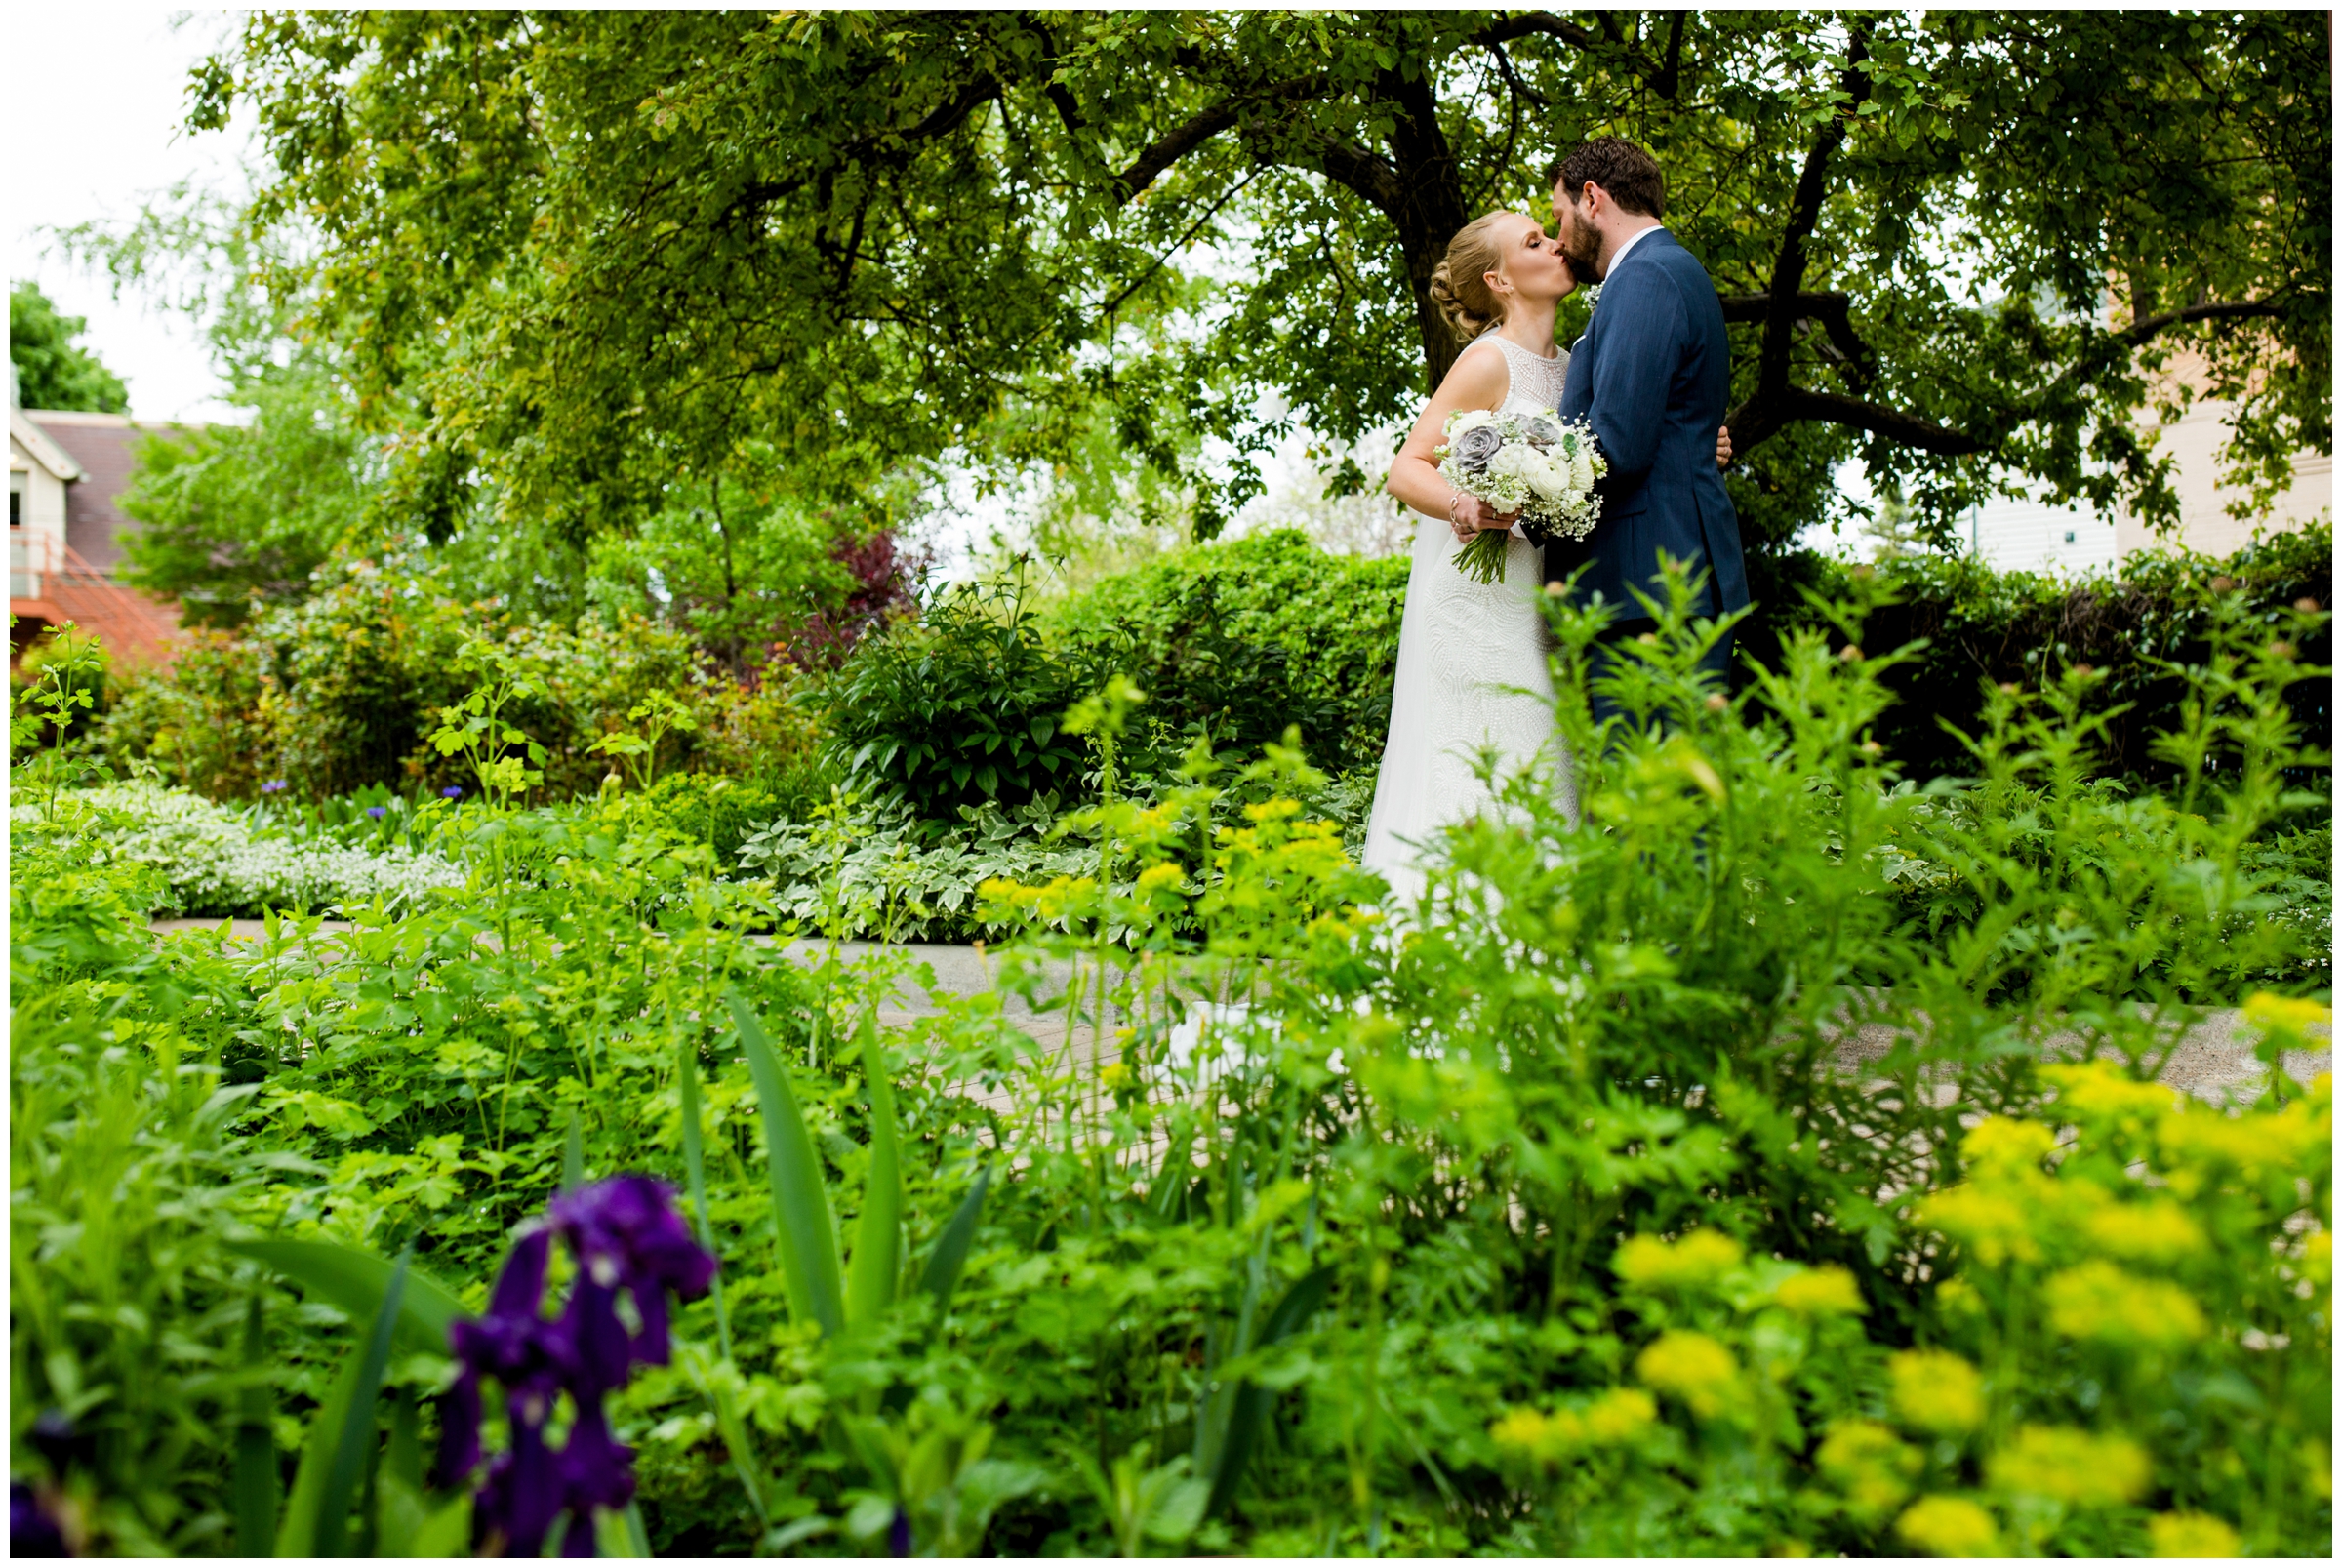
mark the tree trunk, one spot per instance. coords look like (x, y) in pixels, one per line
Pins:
(1429, 209)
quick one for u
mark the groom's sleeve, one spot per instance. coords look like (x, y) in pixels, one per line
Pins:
(1643, 345)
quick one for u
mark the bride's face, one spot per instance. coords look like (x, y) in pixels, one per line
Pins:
(1534, 266)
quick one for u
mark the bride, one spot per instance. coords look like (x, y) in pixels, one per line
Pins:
(1472, 663)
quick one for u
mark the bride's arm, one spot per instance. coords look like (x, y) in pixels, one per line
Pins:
(1478, 380)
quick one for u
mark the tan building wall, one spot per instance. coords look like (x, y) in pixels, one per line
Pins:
(2193, 444)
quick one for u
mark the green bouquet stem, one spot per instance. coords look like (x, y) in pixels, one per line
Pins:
(1482, 559)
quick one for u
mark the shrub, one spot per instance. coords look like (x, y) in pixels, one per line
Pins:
(215, 860)
(705, 809)
(1239, 640)
(340, 692)
(2139, 625)
(957, 707)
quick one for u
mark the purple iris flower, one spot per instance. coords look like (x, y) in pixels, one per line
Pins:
(376, 811)
(452, 792)
(31, 1531)
(627, 1236)
(273, 786)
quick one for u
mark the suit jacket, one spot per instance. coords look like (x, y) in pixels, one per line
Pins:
(1652, 375)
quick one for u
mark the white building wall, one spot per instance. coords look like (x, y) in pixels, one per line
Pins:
(2034, 535)
(37, 544)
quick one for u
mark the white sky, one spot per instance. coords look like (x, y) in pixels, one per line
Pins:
(93, 101)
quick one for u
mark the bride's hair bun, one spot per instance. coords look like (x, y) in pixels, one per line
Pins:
(1459, 283)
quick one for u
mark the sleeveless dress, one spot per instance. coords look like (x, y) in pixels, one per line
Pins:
(1472, 674)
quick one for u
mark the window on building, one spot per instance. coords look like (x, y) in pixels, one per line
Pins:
(16, 499)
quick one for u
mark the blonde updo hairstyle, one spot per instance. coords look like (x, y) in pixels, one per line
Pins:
(1460, 283)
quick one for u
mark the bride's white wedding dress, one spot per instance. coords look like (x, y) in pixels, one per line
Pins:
(1471, 675)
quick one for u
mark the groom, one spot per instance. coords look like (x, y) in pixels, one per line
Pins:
(1651, 375)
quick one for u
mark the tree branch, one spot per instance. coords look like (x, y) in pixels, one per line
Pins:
(1170, 148)
(1528, 24)
(1831, 309)
(1905, 429)
(1660, 78)
(2146, 326)
(1794, 403)
(1768, 408)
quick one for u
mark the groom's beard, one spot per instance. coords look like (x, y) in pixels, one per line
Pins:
(1581, 243)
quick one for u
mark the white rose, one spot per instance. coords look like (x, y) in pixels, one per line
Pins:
(1469, 419)
(1506, 463)
(1549, 478)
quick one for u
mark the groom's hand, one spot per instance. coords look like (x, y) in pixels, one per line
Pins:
(1724, 447)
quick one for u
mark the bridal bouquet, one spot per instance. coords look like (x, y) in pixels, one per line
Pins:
(1536, 464)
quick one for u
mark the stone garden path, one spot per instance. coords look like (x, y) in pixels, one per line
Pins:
(2215, 1063)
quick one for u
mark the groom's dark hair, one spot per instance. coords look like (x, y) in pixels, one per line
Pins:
(1626, 171)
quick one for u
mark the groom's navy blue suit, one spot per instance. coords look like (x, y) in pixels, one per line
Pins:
(1651, 375)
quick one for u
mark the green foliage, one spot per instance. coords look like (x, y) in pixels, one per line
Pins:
(231, 515)
(1235, 641)
(2142, 627)
(1918, 218)
(852, 871)
(957, 707)
(123, 1304)
(52, 371)
(63, 678)
(1589, 1207)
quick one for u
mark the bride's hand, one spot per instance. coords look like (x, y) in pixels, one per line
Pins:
(1469, 514)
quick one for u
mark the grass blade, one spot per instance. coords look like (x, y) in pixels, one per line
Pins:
(572, 1155)
(1250, 1411)
(304, 1530)
(355, 1444)
(356, 1280)
(801, 1218)
(297, 1533)
(877, 1242)
(256, 1482)
(687, 1077)
(950, 1253)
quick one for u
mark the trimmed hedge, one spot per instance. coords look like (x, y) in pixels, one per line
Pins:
(1252, 635)
(1984, 627)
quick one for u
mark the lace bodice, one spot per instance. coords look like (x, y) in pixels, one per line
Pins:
(1536, 382)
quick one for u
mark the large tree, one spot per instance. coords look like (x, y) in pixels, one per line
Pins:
(52, 371)
(595, 251)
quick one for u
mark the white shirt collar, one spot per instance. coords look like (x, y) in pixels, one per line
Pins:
(1633, 240)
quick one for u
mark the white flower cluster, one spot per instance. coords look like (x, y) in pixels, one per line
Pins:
(217, 867)
(1536, 464)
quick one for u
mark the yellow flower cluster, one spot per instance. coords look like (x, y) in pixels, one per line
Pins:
(2097, 1301)
(1607, 1420)
(2279, 1015)
(2147, 1232)
(2190, 1535)
(1699, 1259)
(1950, 1527)
(1936, 1391)
(1814, 1292)
(2069, 1465)
(1869, 1465)
(1692, 1367)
